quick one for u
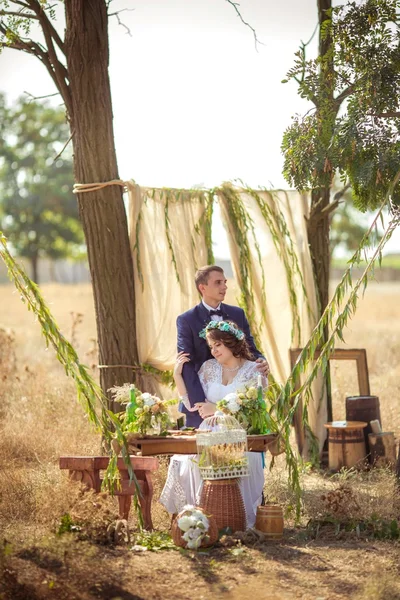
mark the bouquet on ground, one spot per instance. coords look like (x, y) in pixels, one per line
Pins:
(144, 413)
(192, 528)
(250, 407)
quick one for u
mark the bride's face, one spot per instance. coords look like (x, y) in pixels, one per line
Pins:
(219, 351)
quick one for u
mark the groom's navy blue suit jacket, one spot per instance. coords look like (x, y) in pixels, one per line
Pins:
(189, 325)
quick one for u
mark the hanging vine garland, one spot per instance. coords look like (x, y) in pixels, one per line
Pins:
(167, 197)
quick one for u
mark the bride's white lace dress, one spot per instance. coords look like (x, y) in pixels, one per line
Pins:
(184, 482)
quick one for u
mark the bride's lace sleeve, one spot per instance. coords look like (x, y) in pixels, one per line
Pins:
(248, 376)
(208, 374)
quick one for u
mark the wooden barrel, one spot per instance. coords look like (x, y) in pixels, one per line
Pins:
(269, 520)
(346, 444)
(363, 408)
(383, 449)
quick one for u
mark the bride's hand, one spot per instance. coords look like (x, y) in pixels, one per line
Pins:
(206, 409)
(181, 359)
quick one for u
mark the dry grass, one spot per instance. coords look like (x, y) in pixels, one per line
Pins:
(40, 419)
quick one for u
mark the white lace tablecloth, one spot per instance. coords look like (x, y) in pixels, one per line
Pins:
(184, 483)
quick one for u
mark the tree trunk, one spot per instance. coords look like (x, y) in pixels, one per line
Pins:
(318, 239)
(318, 224)
(34, 265)
(102, 213)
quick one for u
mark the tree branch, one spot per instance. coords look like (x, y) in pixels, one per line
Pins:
(46, 24)
(65, 145)
(36, 49)
(391, 114)
(6, 13)
(20, 3)
(341, 193)
(59, 70)
(41, 97)
(117, 13)
(344, 94)
(235, 6)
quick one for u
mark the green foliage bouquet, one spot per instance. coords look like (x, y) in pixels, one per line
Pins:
(251, 409)
(145, 413)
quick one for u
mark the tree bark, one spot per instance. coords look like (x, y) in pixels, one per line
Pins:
(34, 265)
(102, 213)
(318, 224)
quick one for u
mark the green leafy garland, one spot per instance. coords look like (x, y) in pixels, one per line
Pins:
(167, 196)
(241, 225)
(89, 393)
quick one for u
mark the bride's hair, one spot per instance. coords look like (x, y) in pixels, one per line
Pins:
(239, 348)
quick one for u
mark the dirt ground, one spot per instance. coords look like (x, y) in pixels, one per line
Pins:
(308, 570)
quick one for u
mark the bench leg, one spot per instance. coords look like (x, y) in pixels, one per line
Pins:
(146, 499)
(124, 506)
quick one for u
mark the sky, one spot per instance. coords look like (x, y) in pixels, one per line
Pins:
(195, 102)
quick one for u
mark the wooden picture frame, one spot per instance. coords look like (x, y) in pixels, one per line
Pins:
(357, 354)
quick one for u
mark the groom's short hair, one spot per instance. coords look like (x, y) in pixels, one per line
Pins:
(202, 275)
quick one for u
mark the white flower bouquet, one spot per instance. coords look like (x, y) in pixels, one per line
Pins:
(145, 413)
(192, 528)
(250, 408)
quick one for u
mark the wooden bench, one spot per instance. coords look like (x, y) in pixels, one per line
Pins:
(86, 469)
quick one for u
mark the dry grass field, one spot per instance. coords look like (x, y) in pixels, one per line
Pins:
(41, 420)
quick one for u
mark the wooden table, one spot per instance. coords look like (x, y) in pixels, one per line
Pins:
(86, 469)
(186, 444)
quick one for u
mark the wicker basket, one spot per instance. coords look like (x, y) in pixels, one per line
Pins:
(223, 500)
(209, 539)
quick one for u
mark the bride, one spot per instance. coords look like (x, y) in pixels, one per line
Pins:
(231, 369)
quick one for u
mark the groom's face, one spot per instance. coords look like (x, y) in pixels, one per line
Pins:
(214, 290)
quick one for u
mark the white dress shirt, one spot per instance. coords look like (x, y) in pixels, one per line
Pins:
(213, 317)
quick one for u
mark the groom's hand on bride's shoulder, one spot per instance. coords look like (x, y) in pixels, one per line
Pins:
(263, 366)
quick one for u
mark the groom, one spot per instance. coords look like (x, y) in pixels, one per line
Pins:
(211, 283)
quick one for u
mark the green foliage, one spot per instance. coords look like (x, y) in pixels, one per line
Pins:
(373, 528)
(348, 227)
(154, 541)
(16, 21)
(354, 88)
(244, 232)
(38, 211)
(66, 524)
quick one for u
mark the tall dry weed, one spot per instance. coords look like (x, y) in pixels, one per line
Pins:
(348, 495)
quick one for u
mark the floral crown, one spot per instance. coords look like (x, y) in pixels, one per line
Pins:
(222, 326)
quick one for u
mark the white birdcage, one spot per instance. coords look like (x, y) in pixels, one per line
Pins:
(221, 448)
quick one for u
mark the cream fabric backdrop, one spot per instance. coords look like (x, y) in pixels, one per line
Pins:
(160, 298)
(273, 317)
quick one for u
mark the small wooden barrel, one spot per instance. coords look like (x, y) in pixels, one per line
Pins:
(366, 409)
(383, 449)
(346, 444)
(269, 520)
